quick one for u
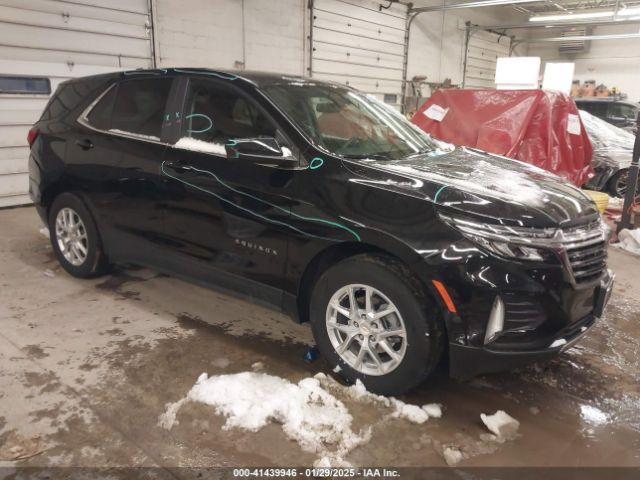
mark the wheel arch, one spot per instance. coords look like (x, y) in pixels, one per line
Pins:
(379, 245)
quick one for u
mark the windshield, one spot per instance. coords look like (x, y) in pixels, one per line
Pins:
(351, 124)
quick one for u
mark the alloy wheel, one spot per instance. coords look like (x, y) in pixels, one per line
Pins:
(366, 329)
(71, 236)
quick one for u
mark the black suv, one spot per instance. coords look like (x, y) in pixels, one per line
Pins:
(617, 112)
(328, 204)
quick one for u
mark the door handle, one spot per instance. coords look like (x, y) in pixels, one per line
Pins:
(85, 144)
(178, 167)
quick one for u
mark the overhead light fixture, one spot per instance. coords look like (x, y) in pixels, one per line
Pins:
(625, 12)
(576, 38)
(571, 16)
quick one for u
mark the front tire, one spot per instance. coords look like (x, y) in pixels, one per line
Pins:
(75, 239)
(376, 322)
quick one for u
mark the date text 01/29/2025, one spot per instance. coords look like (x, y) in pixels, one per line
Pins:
(316, 472)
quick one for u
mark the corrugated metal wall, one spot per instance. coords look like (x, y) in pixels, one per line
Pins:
(483, 51)
(59, 40)
(356, 43)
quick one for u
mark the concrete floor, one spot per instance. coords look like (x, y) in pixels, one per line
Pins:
(86, 368)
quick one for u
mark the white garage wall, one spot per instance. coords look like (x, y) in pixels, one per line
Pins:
(356, 44)
(230, 34)
(616, 63)
(436, 45)
(272, 35)
(59, 40)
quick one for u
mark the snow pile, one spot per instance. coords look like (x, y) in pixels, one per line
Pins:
(44, 231)
(593, 415)
(452, 455)
(501, 424)
(257, 366)
(188, 143)
(308, 414)
(413, 413)
(629, 241)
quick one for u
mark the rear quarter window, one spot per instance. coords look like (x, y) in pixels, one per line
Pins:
(70, 95)
(100, 115)
(139, 106)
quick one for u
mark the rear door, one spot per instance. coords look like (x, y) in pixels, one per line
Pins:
(117, 156)
(230, 216)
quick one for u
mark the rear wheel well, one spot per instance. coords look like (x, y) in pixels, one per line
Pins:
(329, 257)
(51, 193)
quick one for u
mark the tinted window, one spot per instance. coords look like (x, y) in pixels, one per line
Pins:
(100, 115)
(71, 94)
(622, 110)
(352, 124)
(599, 109)
(139, 106)
(215, 113)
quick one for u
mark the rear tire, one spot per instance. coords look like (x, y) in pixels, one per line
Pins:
(407, 340)
(617, 185)
(75, 238)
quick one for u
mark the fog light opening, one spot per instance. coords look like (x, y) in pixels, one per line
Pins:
(496, 320)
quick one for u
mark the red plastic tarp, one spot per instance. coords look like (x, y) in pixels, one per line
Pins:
(535, 126)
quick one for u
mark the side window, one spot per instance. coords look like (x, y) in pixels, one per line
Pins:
(139, 106)
(215, 113)
(599, 109)
(100, 115)
(622, 110)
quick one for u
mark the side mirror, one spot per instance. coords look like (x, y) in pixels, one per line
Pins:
(261, 151)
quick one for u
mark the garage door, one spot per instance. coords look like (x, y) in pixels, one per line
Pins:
(44, 42)
(483, 51)
(356, 43)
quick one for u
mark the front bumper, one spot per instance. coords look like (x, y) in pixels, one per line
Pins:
(466, 361)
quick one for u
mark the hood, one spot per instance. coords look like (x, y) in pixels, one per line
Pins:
(476, 183)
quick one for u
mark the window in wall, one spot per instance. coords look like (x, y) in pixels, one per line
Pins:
(139, 107)
(216, 113)
(25, 85)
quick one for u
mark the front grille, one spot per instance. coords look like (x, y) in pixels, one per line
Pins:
(586, 251)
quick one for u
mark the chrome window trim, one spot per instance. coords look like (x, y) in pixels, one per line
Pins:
(83, 120)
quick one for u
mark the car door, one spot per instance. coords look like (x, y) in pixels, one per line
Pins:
(229, 217)
(122, 153)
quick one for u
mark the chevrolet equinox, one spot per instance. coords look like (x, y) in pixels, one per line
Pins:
(324, 202)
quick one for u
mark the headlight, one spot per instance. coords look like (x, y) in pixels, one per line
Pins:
(510, 242)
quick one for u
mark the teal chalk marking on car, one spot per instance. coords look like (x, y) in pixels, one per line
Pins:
(201, 115)
(233, 143)
(271, 220)
(316, 163)
(435, 198)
